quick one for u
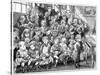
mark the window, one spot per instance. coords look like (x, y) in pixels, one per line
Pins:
(23, 8)
(13, 7)
(18, 7)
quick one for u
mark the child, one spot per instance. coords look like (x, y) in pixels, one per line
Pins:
(43, 26)
(63, 44)
(71, 42)
(45, 48)
(26, 35)
(78, 49)
(54, 33)
(55, 50)
(32, 49)
(16, 36)
(38, 35)
(22, 54)
(33, 52)
(55, 46)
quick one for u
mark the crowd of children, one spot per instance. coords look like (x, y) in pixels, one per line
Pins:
(46, 37)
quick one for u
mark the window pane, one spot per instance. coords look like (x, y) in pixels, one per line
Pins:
(18, 7)
(13, 7)
(23, 8)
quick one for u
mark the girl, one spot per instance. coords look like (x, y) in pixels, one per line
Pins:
(45, 48)
(22, 55)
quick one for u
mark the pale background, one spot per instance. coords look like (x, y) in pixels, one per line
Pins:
(5, 37)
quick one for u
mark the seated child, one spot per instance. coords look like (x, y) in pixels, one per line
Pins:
(22, 54)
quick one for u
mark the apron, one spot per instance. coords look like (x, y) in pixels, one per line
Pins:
(45, 49)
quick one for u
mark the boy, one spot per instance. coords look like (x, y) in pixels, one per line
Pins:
(78, 48)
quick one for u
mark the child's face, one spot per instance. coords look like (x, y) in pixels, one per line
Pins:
(49, 9)
(79, 21)
(54, 33)
(22, 19)
(22, 45)
(43, 23)
(27, 40)
(46, 14)
(15, 34)
(55, 17)
(52, 18)
(45, 40)
(63, 40)
(48, 32)
(56, 41)
(38, 33)
(64, 17)
(56, 52)
(43, 58)
(32, 47)
(26, 34)
(75, 21)
(72, 36)
(63, 22)
(32, 18)
(78, 37)
(37, 52)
